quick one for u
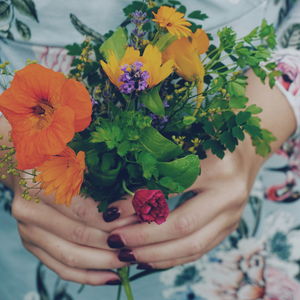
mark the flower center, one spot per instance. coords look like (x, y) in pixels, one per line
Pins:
(133, 79)
(43, 113)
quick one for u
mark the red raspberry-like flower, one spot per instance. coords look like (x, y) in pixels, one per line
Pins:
(150, 206)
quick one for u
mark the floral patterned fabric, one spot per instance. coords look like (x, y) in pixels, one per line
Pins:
(261, 259)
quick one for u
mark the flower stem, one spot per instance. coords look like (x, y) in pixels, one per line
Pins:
(124, 276)
(125, 188)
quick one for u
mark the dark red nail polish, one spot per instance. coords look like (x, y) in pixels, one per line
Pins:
(126, 255)
(113, 282)
(143, 266)
(114, 241)
(111, 214)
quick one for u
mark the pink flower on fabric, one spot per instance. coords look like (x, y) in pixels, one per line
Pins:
(280, 286)
(288, 62)
(151, 206)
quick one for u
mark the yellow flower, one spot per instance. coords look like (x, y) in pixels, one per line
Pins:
(186, 54)
(151, 61)
(173, 21)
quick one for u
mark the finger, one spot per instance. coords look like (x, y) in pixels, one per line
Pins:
(189, 217)
(90, 277)
(82, 210)
(85, 210)
(56, 223)
(191, 258)
(70, 254)
(194, 244)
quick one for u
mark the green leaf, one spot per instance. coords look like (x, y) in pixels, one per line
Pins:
(149, 164)
(235, 89)
(123, 148)
(184, 170)
(23, 29)
(26, 7)
(171, 185)
(117, 43)
(4, 10)
(242, 117)
(136, 5)
(208, 127)
(92, 158)
(153, 101)
(254, 109)
(238, 102)
(165, 41)
(74, 49)
(197, 14)
(159, 146)
(238, 133)
(181, 9)
(254, 131)
(189, 120)
(228, 140)
(109, 133)
(216, 147)
(109, 169)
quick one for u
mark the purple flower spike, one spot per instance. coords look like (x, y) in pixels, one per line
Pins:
(133, 78)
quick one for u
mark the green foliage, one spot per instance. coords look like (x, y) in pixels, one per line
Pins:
(153, 101)
(116, 43)
(183, 171)
(156, 138)
(159, 146)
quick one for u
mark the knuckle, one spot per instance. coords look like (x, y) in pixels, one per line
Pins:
(17, 209)
(69, 259)
(112, 262)
(183, 225)
(64, 274)
(80, 234)
(196, 248)
(90, 280)
(80, 211)
(240, 194)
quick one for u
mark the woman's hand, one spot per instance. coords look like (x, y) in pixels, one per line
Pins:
(202, 222)
(72, 240)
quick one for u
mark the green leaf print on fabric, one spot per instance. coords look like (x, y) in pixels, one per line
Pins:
(11, 12)
(84, 29)
(23, 29)
(291, 37)
(5, 10)
(26, 7)
(280, 247)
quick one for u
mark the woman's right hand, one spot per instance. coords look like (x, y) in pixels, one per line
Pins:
(72, 241)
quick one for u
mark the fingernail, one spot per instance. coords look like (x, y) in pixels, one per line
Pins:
(113, 282)
(114, 241)
(143, 266)
(111, 214)
(126, 255)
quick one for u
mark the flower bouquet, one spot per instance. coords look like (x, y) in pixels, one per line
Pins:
(139, 110)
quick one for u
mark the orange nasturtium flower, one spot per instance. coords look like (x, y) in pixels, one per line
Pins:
(186, 54)
(174, 21)
(62, 175)
(45, 109)
(150, 63)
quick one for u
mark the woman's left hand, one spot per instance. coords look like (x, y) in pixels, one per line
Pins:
(222, 190)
